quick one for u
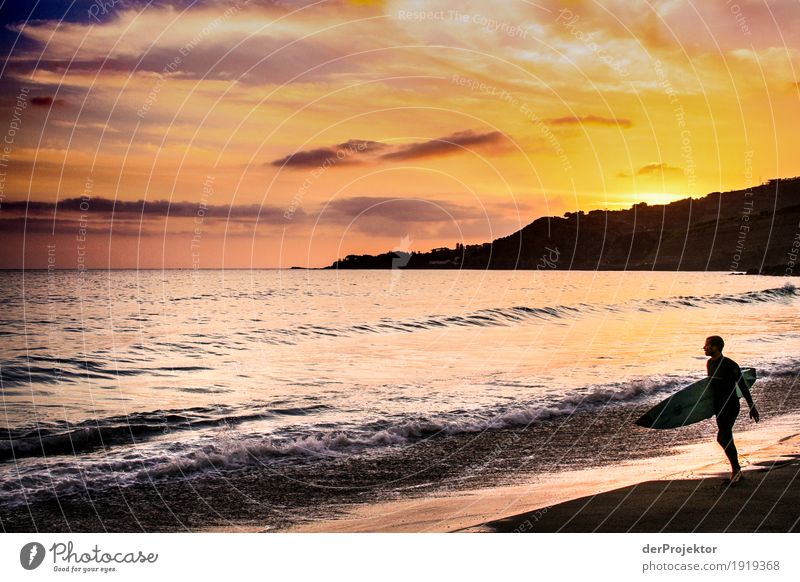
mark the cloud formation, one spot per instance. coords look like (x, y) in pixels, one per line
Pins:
(590, 120)
(658, 168)
(359, 151)
(450, 144)
(47, 101)
(398, 209)
(382, 216)
(353, 151)
(64, 215)
(371, 215)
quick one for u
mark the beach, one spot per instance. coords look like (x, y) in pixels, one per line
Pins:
(685, 492)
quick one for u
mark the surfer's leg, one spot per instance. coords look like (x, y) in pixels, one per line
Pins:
(725, 420)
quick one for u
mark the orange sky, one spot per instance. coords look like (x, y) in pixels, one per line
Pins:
(292, 133)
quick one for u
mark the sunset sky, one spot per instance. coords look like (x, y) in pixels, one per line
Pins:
(281, 133)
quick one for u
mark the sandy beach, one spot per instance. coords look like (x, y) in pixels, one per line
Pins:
(685, 492)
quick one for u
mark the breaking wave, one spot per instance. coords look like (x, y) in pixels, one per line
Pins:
(66, 471)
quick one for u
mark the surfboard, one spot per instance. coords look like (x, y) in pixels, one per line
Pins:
(692, 404)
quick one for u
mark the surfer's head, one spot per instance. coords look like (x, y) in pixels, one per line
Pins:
(714, 346)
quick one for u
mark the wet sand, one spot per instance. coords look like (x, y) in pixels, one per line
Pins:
(767, 500)
(646, 496)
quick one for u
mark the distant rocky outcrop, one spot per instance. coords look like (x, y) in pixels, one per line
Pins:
(755, 230)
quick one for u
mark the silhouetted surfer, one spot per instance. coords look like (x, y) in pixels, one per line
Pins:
(725, 375)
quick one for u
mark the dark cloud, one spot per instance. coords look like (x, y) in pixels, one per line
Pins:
(97, 11)
(384, 216)
(99, 226)
(344, 210)
(139, 218)
(353, 151)
(373, 215)
(26, 64)
(64, 215)
(47, 101)
(310, 159)
(658, 168)
(357, 151)
(450, 144)
(236, 56)
(590, 120)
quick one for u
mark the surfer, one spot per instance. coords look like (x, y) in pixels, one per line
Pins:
(724, 376)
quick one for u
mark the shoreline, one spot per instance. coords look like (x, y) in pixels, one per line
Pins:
(770, 455)
(455, 483)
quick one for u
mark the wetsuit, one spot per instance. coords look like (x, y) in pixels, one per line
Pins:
(725, 374)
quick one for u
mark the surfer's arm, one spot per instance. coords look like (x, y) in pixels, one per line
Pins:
(748, 397)
(745, 391)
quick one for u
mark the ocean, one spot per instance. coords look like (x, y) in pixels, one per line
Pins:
(124, 381)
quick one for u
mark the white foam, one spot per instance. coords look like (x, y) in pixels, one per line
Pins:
(229, 449)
